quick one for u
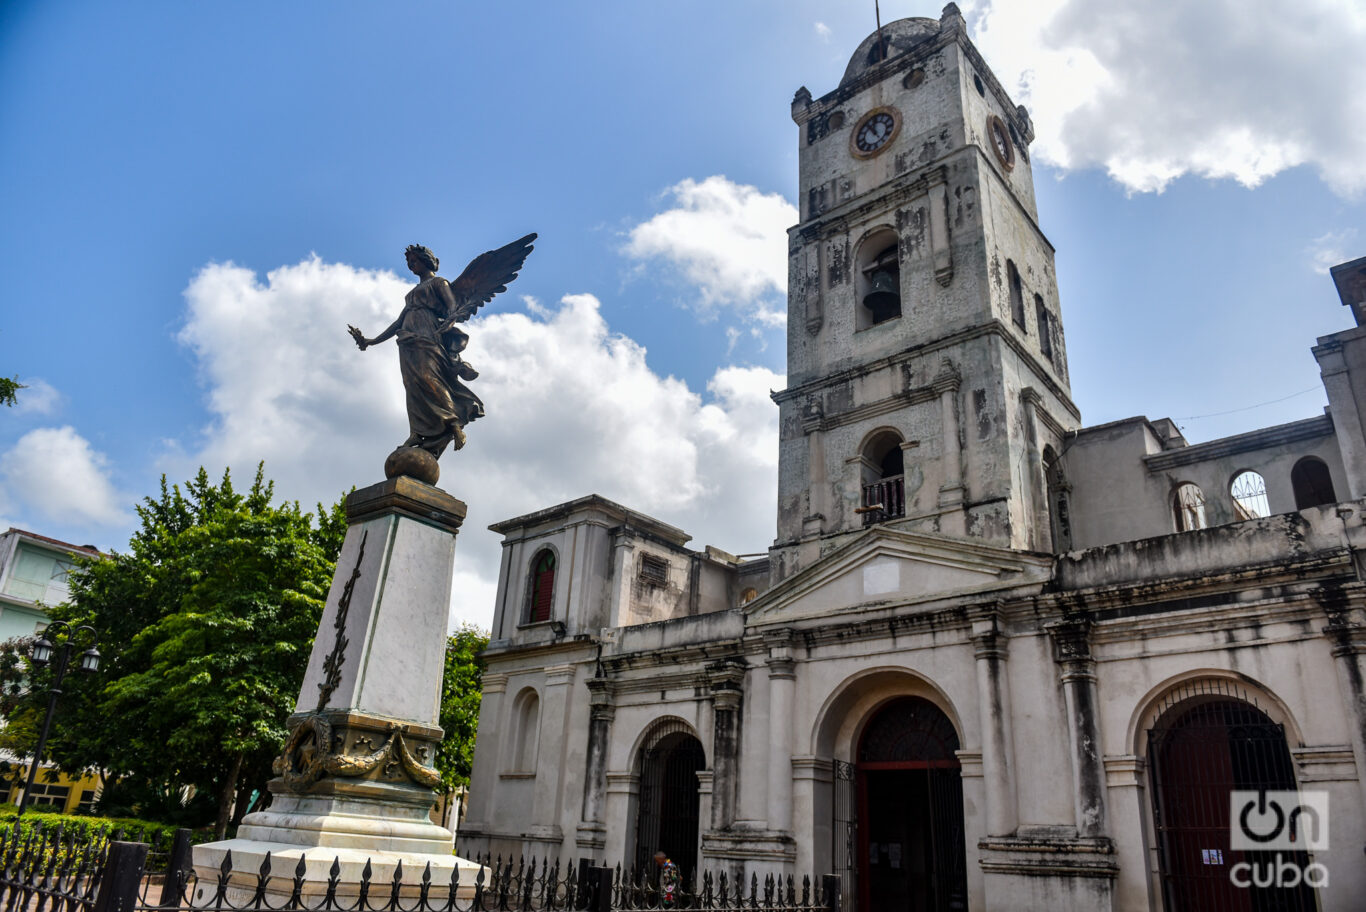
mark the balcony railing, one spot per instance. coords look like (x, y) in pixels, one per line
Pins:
(883, 500)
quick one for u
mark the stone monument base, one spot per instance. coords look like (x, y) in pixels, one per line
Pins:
(248, 856)
(355, 778)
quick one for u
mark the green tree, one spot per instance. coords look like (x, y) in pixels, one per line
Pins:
(8, 387)
(206, 625)
(461, 692)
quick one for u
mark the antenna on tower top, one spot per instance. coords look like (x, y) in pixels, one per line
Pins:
(881, 48)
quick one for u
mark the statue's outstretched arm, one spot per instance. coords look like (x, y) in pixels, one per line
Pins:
(365, 343)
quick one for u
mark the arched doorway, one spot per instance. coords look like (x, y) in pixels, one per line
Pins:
(910, 794)
(1200, 751)
(667, 811)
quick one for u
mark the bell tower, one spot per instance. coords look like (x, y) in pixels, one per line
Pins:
(927, 374)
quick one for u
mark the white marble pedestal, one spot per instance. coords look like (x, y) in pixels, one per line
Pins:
(354, 782)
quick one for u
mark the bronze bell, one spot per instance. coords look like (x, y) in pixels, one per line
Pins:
(884, 301)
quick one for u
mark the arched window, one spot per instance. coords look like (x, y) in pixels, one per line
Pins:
(1188, 507)
(748, 595)
(541, 587)
(1017, 311)
(526, 731)
(879, 280)
(884, 478)
(1060, 519)
(1249, 496)
(1312, 483)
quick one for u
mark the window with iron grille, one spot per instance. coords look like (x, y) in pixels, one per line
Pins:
(654, 570)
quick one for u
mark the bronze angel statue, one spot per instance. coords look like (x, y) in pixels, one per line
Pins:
(430, 342)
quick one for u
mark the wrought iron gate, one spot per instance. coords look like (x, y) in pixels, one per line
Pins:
(668, 806)
(844, 834)
(1200, 753)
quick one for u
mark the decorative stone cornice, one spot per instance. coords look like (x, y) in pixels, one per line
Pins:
(948, 379)
(559, 675)
(602, 701)
(1346, 618)
(494, 682)
(1072, 646)
(726, 680)
(1124, 770)
(985, 632)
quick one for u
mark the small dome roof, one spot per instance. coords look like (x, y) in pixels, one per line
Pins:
(897, 38)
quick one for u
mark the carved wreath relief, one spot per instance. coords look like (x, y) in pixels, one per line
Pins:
(314, 749)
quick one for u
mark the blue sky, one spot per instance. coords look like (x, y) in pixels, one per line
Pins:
(159, 162)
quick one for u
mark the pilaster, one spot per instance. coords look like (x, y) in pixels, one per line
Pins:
(993, 707)
(1077, 673)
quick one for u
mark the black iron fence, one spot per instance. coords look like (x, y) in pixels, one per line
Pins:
(56, 872)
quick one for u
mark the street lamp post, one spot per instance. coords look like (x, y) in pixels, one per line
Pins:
(42, 654)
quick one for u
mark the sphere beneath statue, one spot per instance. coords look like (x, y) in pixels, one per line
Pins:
(414, 462)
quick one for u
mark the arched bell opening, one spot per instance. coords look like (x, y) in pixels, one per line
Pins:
(883, 477)
(879, 287)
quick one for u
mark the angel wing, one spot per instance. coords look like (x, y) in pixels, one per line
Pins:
(487, 275)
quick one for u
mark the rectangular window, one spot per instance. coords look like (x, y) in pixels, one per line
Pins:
(87, 803)
(33, 570)
(1017, 307)
(48, 793)
(654, 570)
(1045, 328)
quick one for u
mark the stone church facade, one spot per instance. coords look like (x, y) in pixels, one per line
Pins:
(994, 659)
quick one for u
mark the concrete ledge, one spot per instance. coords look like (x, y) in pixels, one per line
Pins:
(406, 497)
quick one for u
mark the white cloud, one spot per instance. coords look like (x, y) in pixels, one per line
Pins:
(56, 474)
(1220, 89)
(38, 398)
(572, 409)
(1329, 249)
(727, 239)
(823, 31)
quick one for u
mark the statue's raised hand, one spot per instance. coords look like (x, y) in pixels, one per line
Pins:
(359, 336)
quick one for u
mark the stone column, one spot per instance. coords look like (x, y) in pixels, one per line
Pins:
(1040, 531)
(483, 781)
(781, 684)
(810, 775)
(1077, 672)
(550, 772)
(1347, 631)
(940, 246)
(726, 679)
(356, 776)
(951, 492)
(993, 706)
(818, 512)
(592, 834)
(1342, 400)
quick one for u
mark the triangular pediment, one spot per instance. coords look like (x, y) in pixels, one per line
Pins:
(887, 567)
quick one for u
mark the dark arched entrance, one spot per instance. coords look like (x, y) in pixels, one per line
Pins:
(667, 820)
(910, 793)
(1200, 752)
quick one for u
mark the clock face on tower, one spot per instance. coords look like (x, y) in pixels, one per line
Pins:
(1000, 142)
(874, 132)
